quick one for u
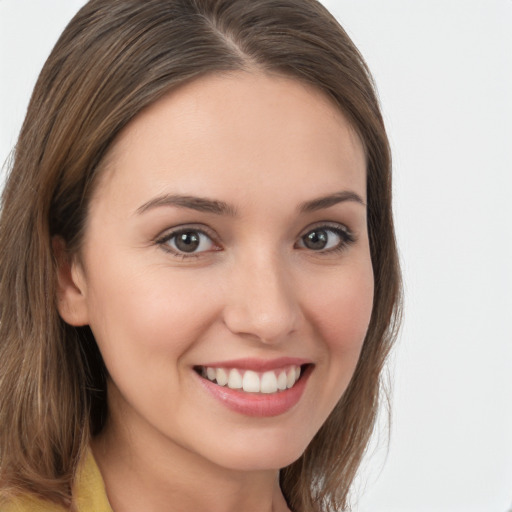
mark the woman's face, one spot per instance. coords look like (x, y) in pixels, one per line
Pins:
(226, 246)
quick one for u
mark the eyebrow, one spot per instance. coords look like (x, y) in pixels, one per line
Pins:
(203, 204)
(330, 200)
(200, 204)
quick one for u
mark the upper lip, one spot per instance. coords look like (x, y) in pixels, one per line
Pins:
(257, 364)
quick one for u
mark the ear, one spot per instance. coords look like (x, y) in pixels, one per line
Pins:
(71, 289)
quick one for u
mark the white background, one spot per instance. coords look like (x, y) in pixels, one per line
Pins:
(444, 74)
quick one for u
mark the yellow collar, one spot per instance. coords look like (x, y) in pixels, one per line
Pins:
(90, 489)
(90, 494)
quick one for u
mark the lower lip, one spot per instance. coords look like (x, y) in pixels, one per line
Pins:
(258, 404)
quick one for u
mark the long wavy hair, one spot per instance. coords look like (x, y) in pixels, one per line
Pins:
(115, 58)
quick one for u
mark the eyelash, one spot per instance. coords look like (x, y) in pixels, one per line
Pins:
(345, 235)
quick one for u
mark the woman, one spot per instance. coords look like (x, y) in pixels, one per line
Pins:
(199, 279)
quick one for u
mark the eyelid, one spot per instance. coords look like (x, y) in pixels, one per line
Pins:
(334, 226)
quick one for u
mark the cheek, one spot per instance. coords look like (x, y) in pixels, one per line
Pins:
(144, 327)
(342, 310)
(346, 318)
(148, 316)
(339, 309)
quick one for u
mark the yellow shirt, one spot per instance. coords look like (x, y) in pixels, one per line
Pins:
(89, 490)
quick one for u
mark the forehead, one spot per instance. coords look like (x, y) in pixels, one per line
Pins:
(238, 131)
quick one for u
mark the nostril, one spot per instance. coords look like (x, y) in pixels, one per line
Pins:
(264, 307)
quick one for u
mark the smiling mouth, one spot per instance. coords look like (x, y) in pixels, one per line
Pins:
(249, 381)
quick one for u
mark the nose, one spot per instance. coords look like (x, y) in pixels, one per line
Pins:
(261, 301)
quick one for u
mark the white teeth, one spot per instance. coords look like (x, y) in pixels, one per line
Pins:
(221, 377)
(290, 378)
(235, 379)
(281, 381)
(269, 382)
(253, 382)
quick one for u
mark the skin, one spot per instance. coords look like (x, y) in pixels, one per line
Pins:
(263, 144)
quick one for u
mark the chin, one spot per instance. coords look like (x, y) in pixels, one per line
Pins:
(258, 454)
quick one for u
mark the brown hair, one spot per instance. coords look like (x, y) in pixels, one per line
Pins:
(115, 58)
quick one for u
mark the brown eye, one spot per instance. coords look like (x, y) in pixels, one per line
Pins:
(189, 241)
(316, 240)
